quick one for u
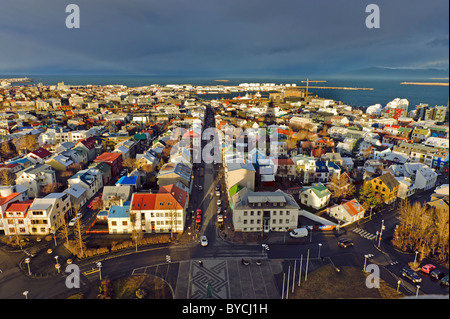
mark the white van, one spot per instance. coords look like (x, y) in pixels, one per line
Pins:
(299, 233)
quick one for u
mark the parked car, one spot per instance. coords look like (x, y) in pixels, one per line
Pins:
(411, 275)
(437, 274)
(218, 193)
(299, 233)
(345, 243)
(219, 218)
(218, 187)
(198, 219)
(204, 241)
(200, 187)
(428, 268)
(444, 281)
(73, 221)
(199, 212)
(219, 202)
(219, 209)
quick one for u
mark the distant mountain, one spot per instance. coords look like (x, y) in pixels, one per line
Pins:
(403, 73)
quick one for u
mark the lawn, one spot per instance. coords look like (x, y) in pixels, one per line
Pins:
(350, 282)
(154, 287)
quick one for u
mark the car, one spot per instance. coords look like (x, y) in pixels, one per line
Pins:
(437, 274)
(299, 233)
(73, 221)
(200, 187)
(428, 268)
(218, 193)
(220, 218)
(199, 212)
(411, 275)
(218, 187)
(219, 209)
(219, 202)
(345, 243)
(204, 241)
(444, 281)
(198, 219)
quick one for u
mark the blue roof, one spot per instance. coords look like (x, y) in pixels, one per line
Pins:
(321, 167)
(125, 180)
(333, 165)
(119, 212)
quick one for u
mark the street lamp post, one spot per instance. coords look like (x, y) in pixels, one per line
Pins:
(417, 291)
(398, 285)
(25, 293)
(320, 245)
(27, 261)
(99, 265)
(381, 232)
(415, 258)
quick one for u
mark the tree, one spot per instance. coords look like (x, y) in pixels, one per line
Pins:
(6, 150)
(130, 163)
(341, 186)
(80, 244)
(28, 143)
(50, 188)
(7, 177)
(367, 196)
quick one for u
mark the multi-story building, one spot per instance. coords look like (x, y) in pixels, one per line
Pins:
(46, 214)
(162, 212)
(35, 178)
(264, 211)
(386, 186)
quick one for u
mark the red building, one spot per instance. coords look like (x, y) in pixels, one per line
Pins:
(112, 159)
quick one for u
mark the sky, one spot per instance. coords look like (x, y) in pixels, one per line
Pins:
(221, 37)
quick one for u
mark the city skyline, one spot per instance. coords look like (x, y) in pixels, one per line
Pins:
(228, 38)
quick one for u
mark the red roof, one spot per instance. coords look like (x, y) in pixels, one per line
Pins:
(353, 207)
(19, 207)
(107, 157)
(160, 201)
(41, 152)
(4, 200)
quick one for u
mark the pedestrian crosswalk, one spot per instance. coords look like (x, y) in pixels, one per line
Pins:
(364, 234)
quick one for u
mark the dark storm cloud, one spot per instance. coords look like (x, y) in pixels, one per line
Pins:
(220, 36)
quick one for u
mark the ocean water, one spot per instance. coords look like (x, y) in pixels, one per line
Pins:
(384, 90)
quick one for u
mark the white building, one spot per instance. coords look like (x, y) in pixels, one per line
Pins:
(35, 178)
(264, 211)
(425, 178)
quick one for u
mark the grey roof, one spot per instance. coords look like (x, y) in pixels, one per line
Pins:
(236, 166)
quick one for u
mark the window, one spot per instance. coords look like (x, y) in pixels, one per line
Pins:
(113, 223)
(124, 223)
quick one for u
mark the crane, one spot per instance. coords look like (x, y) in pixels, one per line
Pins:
(307, 85)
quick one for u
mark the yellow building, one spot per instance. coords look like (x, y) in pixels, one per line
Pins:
(386, 186)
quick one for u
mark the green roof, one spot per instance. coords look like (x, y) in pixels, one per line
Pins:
(233, 190)
(321, 191)
(404, 129)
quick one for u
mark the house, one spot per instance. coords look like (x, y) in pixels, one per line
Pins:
(90, 179)
(119, 221)
(35, 178)
(263, 211)
(386, 186)
(440, 160)
(380, 151)
(418, 135)
(105, 171)
(92, 146)
(171, 173)
(78, 196)
(425, 178)
(39, 156)
(131, 181)
(284, 168)
(127, 148)
(7, 197)
(440, 199)
(115, 195)
(347, 212)
(322, 172)
(316, 197)
(114, 160)
(59, 162)
(406, 187)
(15, 218)
(162, 212)
(47, 214)
(306, 167)
(242, 174)
(332, 157)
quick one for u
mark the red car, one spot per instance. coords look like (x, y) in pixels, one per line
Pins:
(428, 268)
(199, 212)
